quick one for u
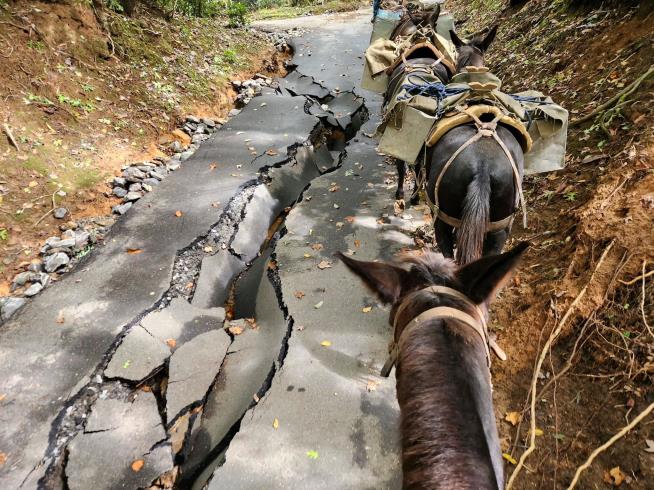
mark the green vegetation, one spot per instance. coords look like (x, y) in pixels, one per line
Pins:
(237, 14)
(280, 9)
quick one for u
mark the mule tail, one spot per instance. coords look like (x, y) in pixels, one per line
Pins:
(475, 219)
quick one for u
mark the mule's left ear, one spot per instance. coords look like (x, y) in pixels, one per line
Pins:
(456, 40)
(482, 278)
(383, 279)
(488, 39)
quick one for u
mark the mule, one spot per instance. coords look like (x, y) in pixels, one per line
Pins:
(480, 187)
(448, 431)
(410, 22)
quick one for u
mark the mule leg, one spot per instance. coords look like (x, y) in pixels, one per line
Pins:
(444, 238)
(401, 174)
(495, 240)
(415, 197)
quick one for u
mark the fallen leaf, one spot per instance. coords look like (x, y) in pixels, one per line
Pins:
(3, 458)
(324, 264)
(235, 330)
(178, 214)
(312, 454)
(509, 458)
(189, 285)
(349, 219)
(372, 385)
(299, 294)
(614, 476)
(256, 398)
(648, 442)
(513, 418)
(276, 423)
(307, 256)
(213, 166)
(126, 364)
(172, 343)
(326, 343)
(33, 183)
(3, 396)
(215, 204)
(318, 305)
(538, 432)
(272, 265)
(137, 465)
(300, 328)
(134, 251)
(334, 188)
(317, 247)
(272, 152)
(357, 243)
(208, 249)
(367, 309)
(60, 317)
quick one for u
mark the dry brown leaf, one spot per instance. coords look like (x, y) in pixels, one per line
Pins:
(60, 317)
(349, 219)
(172, 343)
(317, 247)
(334, 188)
(513, 418)
(614, 476)
(324, 264)
(367, 309)
(137, 465)
(3, 458)
(300, 328)
(648, 442)
(276, 423)
(357, 243)
(134, 251)
(213, 166)
(189, 285)
(178, 213)
(372, 385)
(272, 152)
(235, 330)
(272, 265)
(299, 294)
(33, 183)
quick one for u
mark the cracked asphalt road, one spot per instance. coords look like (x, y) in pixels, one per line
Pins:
(336, 419)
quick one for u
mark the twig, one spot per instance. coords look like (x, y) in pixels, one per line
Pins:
(638, 278)
(609, 103)
(54, 206)
(10, 136)
(609, 443)
(43, 217)
(642, 303)
(553, 336)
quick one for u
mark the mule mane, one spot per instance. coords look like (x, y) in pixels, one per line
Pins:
(430, 267)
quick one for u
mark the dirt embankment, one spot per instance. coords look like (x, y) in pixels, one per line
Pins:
(85, 92)
(599, 373)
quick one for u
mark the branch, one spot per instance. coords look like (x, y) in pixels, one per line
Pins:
(609, 443)
(10, 135)
(609, 103)
(553, 336)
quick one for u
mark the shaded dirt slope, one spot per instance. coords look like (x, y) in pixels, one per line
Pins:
(603, 200)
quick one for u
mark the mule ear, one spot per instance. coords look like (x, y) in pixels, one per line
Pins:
(488, 39)
(383, 279)
(433, 17)
(456, 40)
(482, 278)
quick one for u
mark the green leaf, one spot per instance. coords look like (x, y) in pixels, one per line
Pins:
(127, 363)
(560, 437)
(312, 454)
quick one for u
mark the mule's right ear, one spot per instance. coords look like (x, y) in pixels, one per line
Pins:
(482, 278)
(456, 39)
(383, 279)
(433, 18)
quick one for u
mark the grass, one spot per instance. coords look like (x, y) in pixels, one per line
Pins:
(285, 11)
(37, 165)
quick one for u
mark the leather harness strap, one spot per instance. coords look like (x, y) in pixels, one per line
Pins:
(476, 323)
(484, 130)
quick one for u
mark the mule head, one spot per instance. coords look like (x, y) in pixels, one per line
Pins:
(472, 53)
(479, 280)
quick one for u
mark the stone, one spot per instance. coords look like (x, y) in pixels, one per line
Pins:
(260, 213)
(182, 137)
(199, 138)
(122, 208)
(132, 196)
(120, 181)
(201, 129)
(81, 239)
(117, 434)
(133, 174)
(138, 355)
(216, 276)
(173, 165)
(234, 112)
(136, 187)
(176, 146)
(119, 192)
(192, 370)
(210, 123)
(156, 175)
(9, 306)
(56, 261)
(151, 182)
(33, 290)
(60, 213)
(20, 280)
(192, 119)
(35, 266)
(186, 155)
(147, 188)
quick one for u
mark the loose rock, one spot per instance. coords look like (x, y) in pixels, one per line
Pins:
(54, 262)
(60, 213)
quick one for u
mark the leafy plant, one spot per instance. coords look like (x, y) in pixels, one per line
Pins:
(237, 12)
(4, 234)
(229, 56)
(570, 196)
(38, 99)
(36, 45)
(86, 106)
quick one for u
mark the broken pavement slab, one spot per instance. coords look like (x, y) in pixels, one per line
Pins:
(137, 356)
(119, 447)
(217, 273)
(193, 368)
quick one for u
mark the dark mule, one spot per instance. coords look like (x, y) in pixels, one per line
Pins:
(421, 60)
(448, 430)
(480, 185)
